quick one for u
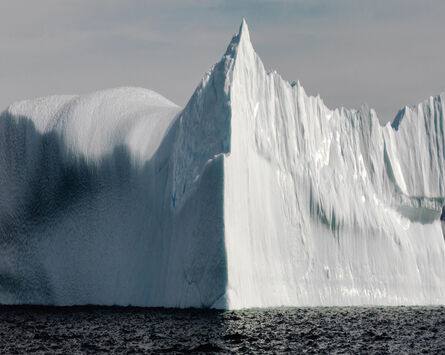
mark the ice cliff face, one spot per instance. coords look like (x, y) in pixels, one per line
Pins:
(85, 211)
(255, 194)
(328, 207)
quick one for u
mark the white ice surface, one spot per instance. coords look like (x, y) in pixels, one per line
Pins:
(327, 207)
(93, 125)
(254, 195)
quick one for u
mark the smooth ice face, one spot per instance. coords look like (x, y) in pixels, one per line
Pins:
(85, 205)
(254, 195)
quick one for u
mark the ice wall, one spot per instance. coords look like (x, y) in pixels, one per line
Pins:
(85, 206)
(255, 194)
(328, 207)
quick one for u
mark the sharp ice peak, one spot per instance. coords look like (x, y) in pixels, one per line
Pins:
(242, 38)
(244, 31)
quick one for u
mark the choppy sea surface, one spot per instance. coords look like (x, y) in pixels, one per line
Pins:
(64, 330)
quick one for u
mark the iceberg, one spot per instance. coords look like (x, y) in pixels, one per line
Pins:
(253, 195)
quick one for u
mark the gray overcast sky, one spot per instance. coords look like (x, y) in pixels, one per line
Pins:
(384, 53)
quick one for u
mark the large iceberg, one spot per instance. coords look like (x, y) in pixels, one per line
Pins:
(253, 195)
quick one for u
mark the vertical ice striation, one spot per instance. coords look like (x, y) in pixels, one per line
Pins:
(327, 207)
(254, 195)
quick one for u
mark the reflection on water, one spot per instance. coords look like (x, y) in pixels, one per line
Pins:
(105, 329)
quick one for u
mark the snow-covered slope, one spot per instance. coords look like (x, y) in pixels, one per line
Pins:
(255, 194)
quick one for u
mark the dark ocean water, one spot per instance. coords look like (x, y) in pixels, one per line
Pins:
(297, 330)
